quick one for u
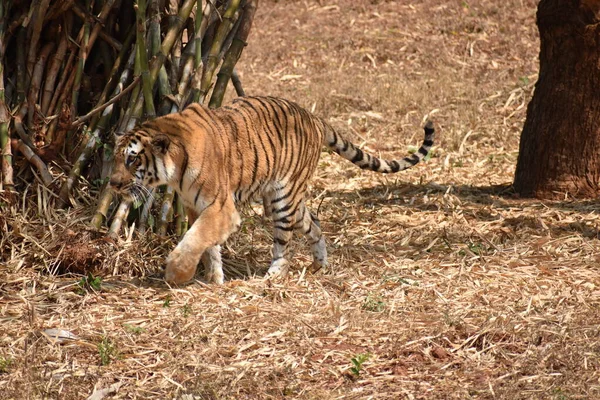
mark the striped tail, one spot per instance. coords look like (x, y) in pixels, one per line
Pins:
(366, 161)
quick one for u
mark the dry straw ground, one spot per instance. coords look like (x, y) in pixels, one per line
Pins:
(451, 286)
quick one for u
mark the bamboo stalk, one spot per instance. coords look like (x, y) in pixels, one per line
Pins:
(66, 80)
(176, 49)
(154, 27)
(145, 215)
(213, 55)
(164, 89)
(58, 8)
(101, 213)
(18, 123)
(34, 160)
(98, 24)
(233, 54)
(166, 211)
(142, 55)
(6, 162)
(39, 9)
(36, 80)
(6, 168)
(52, 74)
(21, 64)
(97, 29)
(83, 52)
(180, 218)
(120, 215)
(198, 44)
(92, 142)
(172, 34)
(186, 75)
(118, 64)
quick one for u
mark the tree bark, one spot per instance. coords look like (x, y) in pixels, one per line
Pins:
(559, 152)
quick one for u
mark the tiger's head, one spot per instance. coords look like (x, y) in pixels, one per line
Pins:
(141, 161)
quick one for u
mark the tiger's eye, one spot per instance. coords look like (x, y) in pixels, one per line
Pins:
(131, 158)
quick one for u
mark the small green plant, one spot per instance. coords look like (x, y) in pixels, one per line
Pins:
(399, 279)
(358, 362)
(133, 329)
(4, 364)
(107, 351)
(89, 283)
(374, 303)
(100, 182)
(524, 80)
(186, 310)
(167, 302)
(559, 395)
(476, 248)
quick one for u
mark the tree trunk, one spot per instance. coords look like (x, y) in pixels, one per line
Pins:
(559, 152)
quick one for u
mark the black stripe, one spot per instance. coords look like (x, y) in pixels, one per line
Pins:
(285, 196)
(184, 165)
(282, 209)
(267, 127)
(335, 139)
(423, 151)
(376, 163)
(346, 145)
(280, 241)
(413, 160)
(358, 157)
(253, 144)
(428, 142)
(154, 164)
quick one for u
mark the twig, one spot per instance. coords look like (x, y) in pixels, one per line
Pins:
(237, 83)
(81, 120)
(34, 160)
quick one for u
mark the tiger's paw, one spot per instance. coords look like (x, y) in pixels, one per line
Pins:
(278, 268)
(215, 276)
(180, 267)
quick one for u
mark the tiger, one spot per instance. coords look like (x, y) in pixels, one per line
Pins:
(219, 159)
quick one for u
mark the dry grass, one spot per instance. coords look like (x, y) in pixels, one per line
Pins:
(451, 285)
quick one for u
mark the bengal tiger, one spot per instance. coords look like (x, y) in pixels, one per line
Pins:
(217, 159)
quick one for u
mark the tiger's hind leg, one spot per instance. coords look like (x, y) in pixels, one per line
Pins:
(309, 225)
(283, 214)
(213, 265)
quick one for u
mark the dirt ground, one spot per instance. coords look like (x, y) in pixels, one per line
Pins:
(443, 284)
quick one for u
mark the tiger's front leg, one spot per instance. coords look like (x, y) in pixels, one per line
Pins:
(212, 227)
(211, 258)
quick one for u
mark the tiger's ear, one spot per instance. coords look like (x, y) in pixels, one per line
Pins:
(160, 143)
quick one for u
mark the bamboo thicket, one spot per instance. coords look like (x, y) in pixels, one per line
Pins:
(73, 73)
